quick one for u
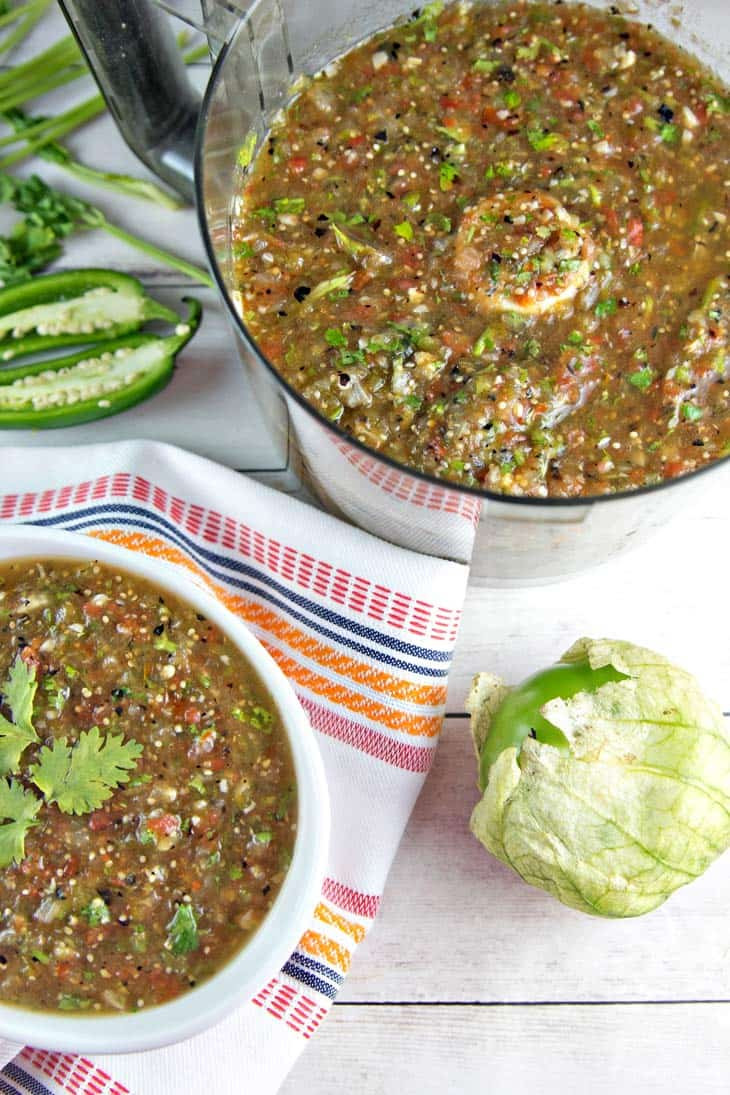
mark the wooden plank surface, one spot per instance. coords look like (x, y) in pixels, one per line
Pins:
(470, 981)
(403, 1050)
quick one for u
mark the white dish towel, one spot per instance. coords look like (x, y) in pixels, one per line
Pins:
(364, 630)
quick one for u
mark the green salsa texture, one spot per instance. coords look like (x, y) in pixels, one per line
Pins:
(147, 798)
(492, 243)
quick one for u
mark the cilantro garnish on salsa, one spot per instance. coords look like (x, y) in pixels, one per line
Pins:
(147, 798)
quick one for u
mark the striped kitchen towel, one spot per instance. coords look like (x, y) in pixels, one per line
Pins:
(365, 632)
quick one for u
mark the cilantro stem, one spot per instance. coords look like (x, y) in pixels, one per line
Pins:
(16, 12)
(50, 215)
(30, 90)
(57, 130)
(16, 36)
(110, 180)
(26, 129)
(41, 137)
(31, 131)
(165, 257)
(61, 53)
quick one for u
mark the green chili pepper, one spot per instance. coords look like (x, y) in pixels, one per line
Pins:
(94, 383)
(518, 716)
(73, 308)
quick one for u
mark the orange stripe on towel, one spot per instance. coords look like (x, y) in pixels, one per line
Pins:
(319, 946)
(327, 916)
(402, 721)
(341, 663)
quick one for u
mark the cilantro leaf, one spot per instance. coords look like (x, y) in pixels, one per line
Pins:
(48, 217)
(247, 150)
(642, 378)
(182, 931)
(289, 205)
(606, 307)
(447, 174)
(81, 776)
(12, 743)
(428, 17)
(18, 809)
(335, 337)
(20, 693)
(542, 140)
(96, 912)
(690, 412)
(19, 690)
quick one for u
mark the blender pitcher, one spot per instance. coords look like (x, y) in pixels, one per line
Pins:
(259, 51)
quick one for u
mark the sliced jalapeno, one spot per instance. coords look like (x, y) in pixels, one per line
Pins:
(76, 307)
(92, 384)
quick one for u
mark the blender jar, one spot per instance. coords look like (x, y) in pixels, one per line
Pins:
(260, 51)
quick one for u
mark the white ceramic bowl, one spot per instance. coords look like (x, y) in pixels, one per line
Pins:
(288, 918)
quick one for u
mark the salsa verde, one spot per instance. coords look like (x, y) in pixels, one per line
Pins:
(492, 243)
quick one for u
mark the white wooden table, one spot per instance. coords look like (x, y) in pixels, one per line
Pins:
(471, 982)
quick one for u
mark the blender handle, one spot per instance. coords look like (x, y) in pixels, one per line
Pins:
(131, 50)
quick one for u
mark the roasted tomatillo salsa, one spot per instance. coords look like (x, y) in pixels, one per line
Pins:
(493, 244)
(147, 798)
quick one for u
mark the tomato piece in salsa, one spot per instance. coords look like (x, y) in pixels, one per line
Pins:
(148, 805)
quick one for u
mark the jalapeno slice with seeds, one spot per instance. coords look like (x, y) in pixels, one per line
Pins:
(73, 308)
(92, 383)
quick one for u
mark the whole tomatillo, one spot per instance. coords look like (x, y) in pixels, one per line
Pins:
(605, 778)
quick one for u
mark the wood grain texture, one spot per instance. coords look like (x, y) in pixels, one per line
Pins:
(517, 1051)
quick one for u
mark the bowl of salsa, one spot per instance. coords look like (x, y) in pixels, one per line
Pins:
(164, 814)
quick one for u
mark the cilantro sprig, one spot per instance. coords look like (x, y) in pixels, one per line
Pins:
(80, 777)
(448, 174)
(49, 216)
(76, 777)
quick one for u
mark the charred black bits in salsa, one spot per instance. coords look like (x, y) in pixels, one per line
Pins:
(493, 243)
(147, 798)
